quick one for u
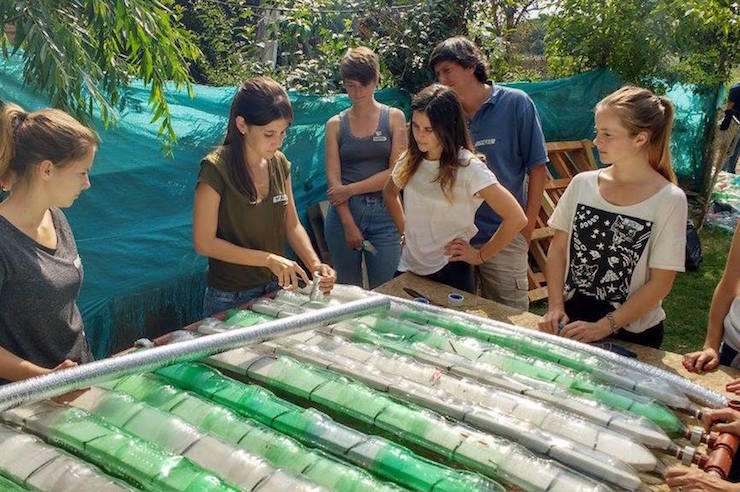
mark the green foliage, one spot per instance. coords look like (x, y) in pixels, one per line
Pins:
(224, 32)
(687, 306)
(312, 36)
(84, 52)
(693, 41)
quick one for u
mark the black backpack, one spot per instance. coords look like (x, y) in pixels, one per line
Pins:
(693, 248)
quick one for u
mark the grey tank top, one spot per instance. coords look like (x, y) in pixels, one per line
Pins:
(363, 157)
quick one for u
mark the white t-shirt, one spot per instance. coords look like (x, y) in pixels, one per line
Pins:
(612, 248)
(432, 221)
(732, 329)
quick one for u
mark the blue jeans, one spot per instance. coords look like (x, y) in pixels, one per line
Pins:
(216, 301)
(731, 161)
(376, 226)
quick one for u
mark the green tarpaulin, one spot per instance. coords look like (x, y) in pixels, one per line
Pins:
(133, 227)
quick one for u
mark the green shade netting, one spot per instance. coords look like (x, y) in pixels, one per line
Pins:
(133, 227)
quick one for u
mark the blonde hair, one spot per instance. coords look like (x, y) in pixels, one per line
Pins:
(26, 139)
(640, 110)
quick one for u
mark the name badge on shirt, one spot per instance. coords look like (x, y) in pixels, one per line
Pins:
(379, 137)
(282, 197)
(485, 141)
(77, 262)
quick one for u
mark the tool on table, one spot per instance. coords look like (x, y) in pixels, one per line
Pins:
(419, 297)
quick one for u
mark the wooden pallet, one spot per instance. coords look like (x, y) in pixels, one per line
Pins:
(567, 159)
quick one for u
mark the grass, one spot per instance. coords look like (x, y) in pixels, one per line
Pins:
(687, 306)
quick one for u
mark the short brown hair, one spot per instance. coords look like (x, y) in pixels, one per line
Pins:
(462, 51)
(360, 64)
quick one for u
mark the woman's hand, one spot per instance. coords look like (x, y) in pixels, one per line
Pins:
(327, 277)
(733, 386)
(339, 194)
(460, 250)
(701, 361)
(722, 420)
(352, 236)
(287, 271)
(585, 332)
(64, 365)
(553, 321)
(695, 480)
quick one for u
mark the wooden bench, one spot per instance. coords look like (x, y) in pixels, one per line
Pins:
(567, 159)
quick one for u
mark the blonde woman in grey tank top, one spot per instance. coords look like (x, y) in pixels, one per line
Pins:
(362, 143)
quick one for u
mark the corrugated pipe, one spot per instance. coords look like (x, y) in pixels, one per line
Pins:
(57, 383)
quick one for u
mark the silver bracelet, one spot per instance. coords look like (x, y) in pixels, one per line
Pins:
(612, 322)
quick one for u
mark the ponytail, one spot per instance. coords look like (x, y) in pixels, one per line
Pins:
(640, 110)
(26, 139)
(659, 153)
(11, 117)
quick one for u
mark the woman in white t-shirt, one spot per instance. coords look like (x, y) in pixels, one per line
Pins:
(620, 232)
(444, 183)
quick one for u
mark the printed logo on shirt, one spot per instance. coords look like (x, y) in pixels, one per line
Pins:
(77, 262)
(280, 198)
(485, 141)
(379, 137)
(604, 251)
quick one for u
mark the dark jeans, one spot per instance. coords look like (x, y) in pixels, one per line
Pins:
(727, 354)
(457, 274)
(585, 308)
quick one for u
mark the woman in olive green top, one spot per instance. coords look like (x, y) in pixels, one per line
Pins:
(244, 210)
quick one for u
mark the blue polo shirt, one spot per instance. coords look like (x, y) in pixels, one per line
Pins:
(507, 130)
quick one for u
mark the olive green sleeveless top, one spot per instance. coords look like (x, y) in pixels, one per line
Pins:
(258, 226)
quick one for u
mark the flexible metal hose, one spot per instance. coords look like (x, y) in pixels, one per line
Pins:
(57, 383)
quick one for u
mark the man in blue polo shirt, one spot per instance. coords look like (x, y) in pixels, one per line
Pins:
(506, 129)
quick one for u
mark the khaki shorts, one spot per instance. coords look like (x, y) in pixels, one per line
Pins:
(503, 278)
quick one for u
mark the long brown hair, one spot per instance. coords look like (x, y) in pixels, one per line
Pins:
(27, 139)
(640, 110)
(445, 113)
(259, 101)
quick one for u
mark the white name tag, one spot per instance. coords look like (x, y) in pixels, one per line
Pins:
(280, 198)
(380, 139)
(485, 141)
(78, 262)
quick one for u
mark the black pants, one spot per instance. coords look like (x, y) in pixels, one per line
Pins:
(585, 308)
(457, 274)
(726, 354)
